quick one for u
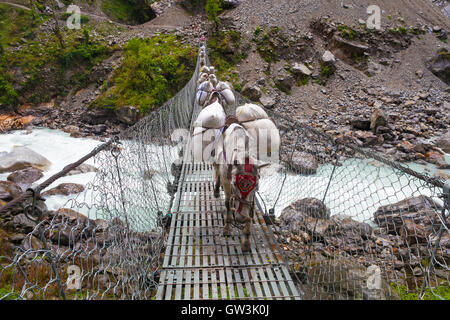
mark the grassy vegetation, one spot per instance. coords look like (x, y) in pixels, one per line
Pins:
(213, 8)
(225, 51)
(272, 44)
(83, 19)
(152, 72)
(347, 33)
(265, 43)
(33, 65)
(399, 30)
(429, 294)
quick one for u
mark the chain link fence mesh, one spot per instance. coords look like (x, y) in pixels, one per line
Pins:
(354, 224)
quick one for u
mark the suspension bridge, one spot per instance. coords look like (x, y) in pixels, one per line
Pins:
(110, 241)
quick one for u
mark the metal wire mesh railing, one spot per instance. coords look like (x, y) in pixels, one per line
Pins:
(364, 227)
(354, 224)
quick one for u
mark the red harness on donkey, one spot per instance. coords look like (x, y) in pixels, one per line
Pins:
(245, 183)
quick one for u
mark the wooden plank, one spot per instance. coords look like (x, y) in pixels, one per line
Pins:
(237, 277)
(196, 284)
(223, 284)
(169, 286)
(179, 280)
(187, 287)
(245, 273)
(215, 294)
(195, 240)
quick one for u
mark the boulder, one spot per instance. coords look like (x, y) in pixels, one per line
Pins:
(127, 114)
(421, 210)
(253, 92)
(297, 216)
(301, 69)
(25, 177)
(82, 168)
(21, 158)
(328, 58)
(443, 142)
(377, 119)
(9, 190)
(32, 244)
(97, 116)
(230, 4)
(302, 163)
(74, 131)
(350, 228)
(368, 139)
(437, 158)
(20, 223)
(99, 129)
(284, 81)
(360, 124)
(64, 189)
(267, 101)
(347, 50)
(440, 65)
(353, 280)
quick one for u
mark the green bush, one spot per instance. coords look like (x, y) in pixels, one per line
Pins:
(225, 52)
(213, 9)
(8, 96)
(152, 71)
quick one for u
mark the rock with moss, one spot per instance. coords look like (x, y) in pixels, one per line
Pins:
(440, 65)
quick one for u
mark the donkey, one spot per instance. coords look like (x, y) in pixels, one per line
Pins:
(238, 174)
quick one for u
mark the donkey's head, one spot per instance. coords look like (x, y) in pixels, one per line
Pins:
(244, 184)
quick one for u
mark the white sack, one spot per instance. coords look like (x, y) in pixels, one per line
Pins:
(225, 90)
(203, 91)
(211, 117)
(202, 78)
(250, 112)
(229, 96)
(267, 137)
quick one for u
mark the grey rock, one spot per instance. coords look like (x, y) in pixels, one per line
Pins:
(301, 69)
(443, 142)
(9, 190)
(267, 101)
(440, 65)
(328, 57)
(253, 92)
(64, 189)
(302, 163)
(82, 168)
(25, 177)
(21, 158)
(127, 114)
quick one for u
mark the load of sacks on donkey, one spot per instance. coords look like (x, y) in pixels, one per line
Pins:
(261, 140)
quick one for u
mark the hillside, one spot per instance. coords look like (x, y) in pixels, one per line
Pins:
(271, 51)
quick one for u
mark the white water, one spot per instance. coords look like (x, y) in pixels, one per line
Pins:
(358, 188)
(59, 148)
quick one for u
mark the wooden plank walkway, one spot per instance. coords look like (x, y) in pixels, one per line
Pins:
(201, 263)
